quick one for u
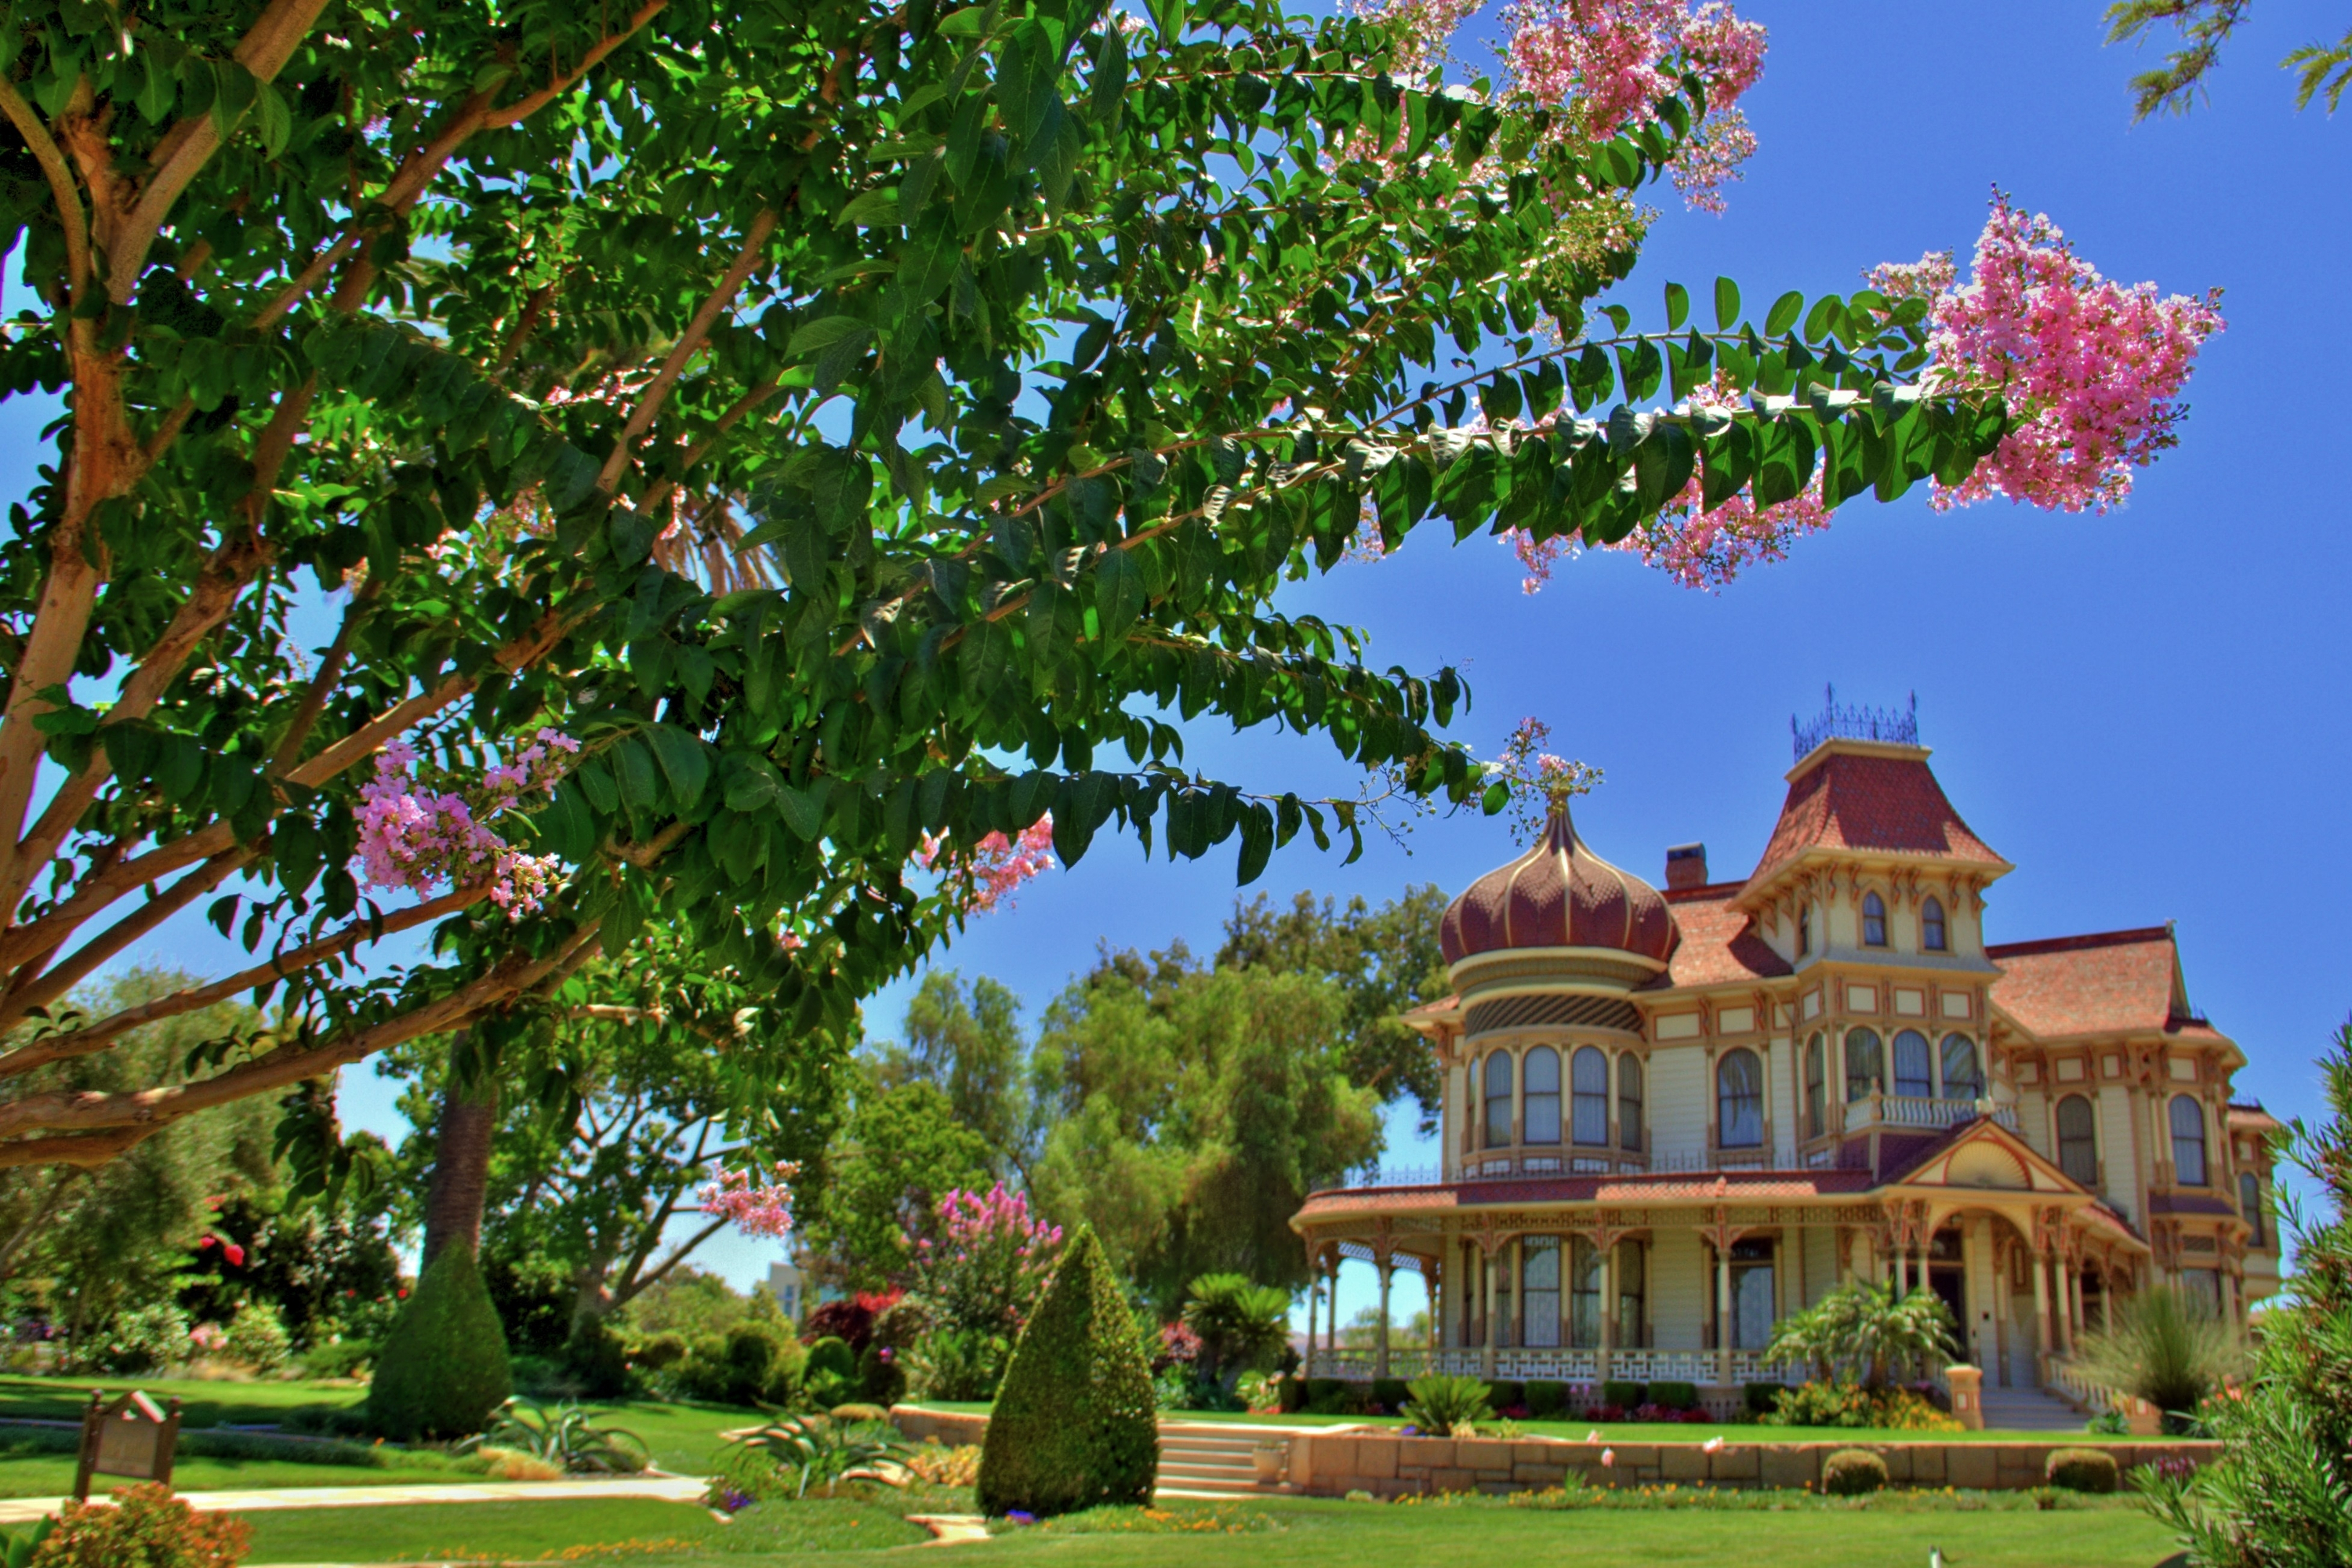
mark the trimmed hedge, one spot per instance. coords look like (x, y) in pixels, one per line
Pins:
(2083, 1471)
(1390, 1394)
(1761, 1398)
(1502, 1395)
(1072, 1425)
(1624, 1395)
(1547, 1400)
(443, 1369)
(1851, 1472)
(1291, 1394)
(1674, 1396)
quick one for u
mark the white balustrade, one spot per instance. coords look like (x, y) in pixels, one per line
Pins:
(2068, 1379)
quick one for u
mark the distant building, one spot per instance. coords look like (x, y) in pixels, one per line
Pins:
(784, 1285)
(1672, 1118)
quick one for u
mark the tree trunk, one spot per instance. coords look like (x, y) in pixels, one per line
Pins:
(461, 1169)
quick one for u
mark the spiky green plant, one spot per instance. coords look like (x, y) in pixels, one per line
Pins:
(1864, 1330)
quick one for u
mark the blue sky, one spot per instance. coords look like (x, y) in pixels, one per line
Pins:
(2141, 711)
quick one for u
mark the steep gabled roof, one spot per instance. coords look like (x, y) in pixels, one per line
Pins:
(1873, 798)
(1719, 944)
(2106, 983)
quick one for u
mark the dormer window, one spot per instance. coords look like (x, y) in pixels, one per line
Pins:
(1874, 920)
(1931, 927)
(1804, 931)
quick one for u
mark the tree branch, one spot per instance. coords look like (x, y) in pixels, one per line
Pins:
(52, 159)
(95, 1037)
(190, 144)
(524, 108)
(690, 342)
(32, 989)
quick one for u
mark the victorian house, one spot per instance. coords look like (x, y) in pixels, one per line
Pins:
(1673, 1117)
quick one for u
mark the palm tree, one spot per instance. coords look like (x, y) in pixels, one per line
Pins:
(1240, 1324)
(1864, 1327)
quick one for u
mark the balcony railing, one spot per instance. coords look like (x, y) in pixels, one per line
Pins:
(1922, 1112)
(1523, 1166)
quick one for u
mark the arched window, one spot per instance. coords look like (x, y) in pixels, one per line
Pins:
(1633, 1290)
(1739, 1100)
(1804, 931)
(1583, 1295)
(1539, 1294)
(1815, 1067)
(1913, 1068)
(2250, 1204)
(1931, 926)
(1874, 920)
(1963, 1074)
(1629, 1101)
(1865, 1074)
(2188, 1141)
(1590, 1068)
(2078, 1145)
(1498, 1100)
(1541, 1110)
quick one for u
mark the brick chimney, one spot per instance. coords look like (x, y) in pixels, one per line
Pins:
(1685, 866)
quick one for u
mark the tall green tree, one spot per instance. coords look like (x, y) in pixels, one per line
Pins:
(900, 1150)
(967, 1042)
(1035, 345)
(1194, 1110)
(1386, 961)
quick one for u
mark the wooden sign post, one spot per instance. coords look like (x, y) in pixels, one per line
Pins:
(130, 1437)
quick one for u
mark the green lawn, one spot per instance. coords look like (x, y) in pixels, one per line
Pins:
(1895, 1531)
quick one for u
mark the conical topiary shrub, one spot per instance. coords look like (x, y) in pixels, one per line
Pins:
(1074, 1425)
(443, 1368)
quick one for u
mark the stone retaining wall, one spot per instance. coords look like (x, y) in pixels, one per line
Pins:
(955, 1428)
(1336, 1463)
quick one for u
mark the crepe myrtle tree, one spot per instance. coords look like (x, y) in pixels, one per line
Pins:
(853, 426)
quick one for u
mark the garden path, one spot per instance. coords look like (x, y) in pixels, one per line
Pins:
(666, 1489)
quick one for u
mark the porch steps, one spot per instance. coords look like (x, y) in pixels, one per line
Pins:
(2029, 1410)
(1201, 1461)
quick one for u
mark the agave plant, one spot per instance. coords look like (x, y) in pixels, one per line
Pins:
(820, 1448)
(565, 1435)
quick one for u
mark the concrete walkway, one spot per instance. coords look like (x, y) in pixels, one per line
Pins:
(664, 1489)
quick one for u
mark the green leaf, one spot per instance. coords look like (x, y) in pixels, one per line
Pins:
(805, 808)
(1678, 306)
(1783, 314)
(813, 338)
(1726, 304)
(684, 759)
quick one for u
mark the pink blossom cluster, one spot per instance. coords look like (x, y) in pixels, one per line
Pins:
(995, 866)
(987, 1258)
(2090, 370)
(1610, 62)
(1538, 779)
(229, 1250)
(763, 1210)
(418, 839)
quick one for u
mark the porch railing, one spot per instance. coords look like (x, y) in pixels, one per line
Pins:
(1524, 1363)
(2064, 1375)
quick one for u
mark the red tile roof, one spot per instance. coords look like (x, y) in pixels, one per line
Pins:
(2111, 982)
(1719, 944)
(1874, 803)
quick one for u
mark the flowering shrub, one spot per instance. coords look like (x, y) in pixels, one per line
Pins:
(1852, 1404)
(1177, 1345)
(257, 1338)
(987, 1263)
(143, 1527)
(763, 1210)
(421, 839)
(2092, 370)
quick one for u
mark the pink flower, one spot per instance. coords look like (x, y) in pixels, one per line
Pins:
(422, 839)
(2090, 370)
(1712, 1445)
(995, 866)
(1608, 1458)
(234, 1253)
(764, 1210)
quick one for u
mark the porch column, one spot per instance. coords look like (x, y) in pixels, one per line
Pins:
(2046, 1346)
(1314, 1290)
(1331, 1317)
(1486, 1350)
(1518, 1279)
(1901, 1271)
(2075, 1296)
(1722, 1315)
(1608, 1267)
(2070, 1304)
(1387, 1265)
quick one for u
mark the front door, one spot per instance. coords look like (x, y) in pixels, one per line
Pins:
(1950, 1283)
